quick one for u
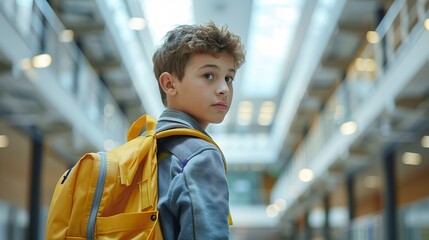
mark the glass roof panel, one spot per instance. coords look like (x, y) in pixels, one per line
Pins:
(161, 21)
(272, 27)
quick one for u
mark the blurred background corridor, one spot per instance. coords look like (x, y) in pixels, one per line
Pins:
(327, 137)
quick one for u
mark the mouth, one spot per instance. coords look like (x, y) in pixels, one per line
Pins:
(221, 105)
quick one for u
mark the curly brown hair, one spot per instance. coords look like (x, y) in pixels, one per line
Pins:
(183, 41)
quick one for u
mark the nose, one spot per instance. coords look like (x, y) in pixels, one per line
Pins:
(223, 88)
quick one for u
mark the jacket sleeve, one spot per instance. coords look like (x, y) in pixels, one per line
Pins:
(202, 198)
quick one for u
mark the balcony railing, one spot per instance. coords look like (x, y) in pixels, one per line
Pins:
(402, 26)
(70, 72)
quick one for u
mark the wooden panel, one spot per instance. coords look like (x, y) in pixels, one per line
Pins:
(370, 204)
(15, 167)
(414, 187)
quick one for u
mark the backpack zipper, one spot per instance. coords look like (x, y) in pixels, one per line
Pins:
(97, 196)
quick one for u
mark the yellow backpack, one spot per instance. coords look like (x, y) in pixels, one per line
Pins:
(113, 195)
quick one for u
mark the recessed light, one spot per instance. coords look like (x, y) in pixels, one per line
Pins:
(306, 175)
(411, 158)
(425, 141)
(348, 128)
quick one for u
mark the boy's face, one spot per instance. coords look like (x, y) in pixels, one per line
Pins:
(205, 91)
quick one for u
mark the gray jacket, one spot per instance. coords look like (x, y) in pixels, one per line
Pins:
(193, 189)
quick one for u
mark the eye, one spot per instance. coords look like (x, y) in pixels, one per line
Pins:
(209, 76)
(229, 79)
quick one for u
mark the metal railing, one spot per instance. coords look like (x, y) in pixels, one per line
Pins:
(402, 25)
(41, 30)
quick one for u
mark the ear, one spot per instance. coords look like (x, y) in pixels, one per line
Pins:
(166, 81)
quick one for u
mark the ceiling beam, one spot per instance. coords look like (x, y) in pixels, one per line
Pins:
(87, 28)
(4, 67)
(410, 102)
(354, 28)
(340, 63)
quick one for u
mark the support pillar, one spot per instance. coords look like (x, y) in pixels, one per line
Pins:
(351, 203)
(381, 12)
(295, 230)
(326, 226)
(389, 196)
(35, 185)
(307, 227)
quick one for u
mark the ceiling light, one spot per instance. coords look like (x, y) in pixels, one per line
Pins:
(41, 61)
(370, 65)
(4, 141)
(245, 110)
(66, 36)
(281, 204)
(372, 37)
(272, 210)
(109, 110)
(425, 141)
(266, 113)
(348, 128)
(109, 145)
(306, 175)
(136, 23)
(427, 23)
(365, 64)
(411, 158)
(359, 63)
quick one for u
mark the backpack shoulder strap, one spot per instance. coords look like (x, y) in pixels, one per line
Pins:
(186, 132)
(192, 133)
(146, 123)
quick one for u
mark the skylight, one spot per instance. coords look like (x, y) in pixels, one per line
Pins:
(272, 30)
(163, 15)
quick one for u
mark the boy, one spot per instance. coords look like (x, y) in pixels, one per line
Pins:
(195, 68)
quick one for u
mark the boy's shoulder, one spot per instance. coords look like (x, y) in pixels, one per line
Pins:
(186, 147)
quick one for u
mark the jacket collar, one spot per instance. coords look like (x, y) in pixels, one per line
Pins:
(173, 119)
